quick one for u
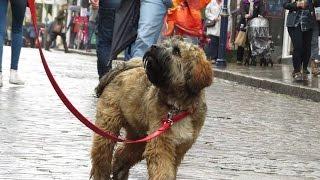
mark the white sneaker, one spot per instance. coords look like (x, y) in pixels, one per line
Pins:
(14, 78)
(1, 84)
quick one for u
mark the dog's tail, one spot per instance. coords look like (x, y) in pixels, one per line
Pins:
(107, 78)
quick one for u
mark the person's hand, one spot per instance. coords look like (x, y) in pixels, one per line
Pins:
(95, 4)
(302, 4)
(247, 16)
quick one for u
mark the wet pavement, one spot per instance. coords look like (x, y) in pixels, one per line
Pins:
(279, 72)
(248, 134)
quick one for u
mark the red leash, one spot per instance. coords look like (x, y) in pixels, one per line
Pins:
(166, 124)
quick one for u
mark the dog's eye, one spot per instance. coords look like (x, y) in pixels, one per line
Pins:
(176, 51)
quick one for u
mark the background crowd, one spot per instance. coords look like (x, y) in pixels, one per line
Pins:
(133, 26)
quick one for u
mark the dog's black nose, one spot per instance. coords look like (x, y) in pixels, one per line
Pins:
(153, 47)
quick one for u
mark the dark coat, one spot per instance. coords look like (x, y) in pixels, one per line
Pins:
(298, 16)
(125, 26)
(258, 9)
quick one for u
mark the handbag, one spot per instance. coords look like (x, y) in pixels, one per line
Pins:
(241, 39)
(291, 19)
(57, 27)
(209, 23)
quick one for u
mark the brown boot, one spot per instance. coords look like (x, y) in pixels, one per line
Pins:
(315, 67)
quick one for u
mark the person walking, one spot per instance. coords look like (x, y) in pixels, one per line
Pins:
(315, 58)
(18, 13)
(249, 9)
(91, 26)
(57, 28)
(213, 25)
(152, 13)
(31, 34)
(300, 25)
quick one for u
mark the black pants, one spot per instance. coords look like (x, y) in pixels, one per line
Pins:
(212, 48)
(105, 24)
(53, 37)
(301, 41)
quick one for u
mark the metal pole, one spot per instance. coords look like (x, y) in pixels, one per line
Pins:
(221, 61)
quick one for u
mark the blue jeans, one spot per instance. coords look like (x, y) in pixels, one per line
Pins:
(18, 8)
(152, 13)
(105, 24)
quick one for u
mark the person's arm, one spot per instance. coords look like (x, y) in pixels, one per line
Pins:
(209, 12)
(94, 4)
(294, 6)
(242, 11)
(261, 8)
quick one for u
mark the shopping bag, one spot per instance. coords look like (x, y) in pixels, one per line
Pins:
(241, 39)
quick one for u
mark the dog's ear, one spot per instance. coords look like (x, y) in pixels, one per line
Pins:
(201, 76)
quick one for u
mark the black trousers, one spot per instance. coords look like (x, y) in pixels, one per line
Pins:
(53, 37)
(212, 48)
(301, 41)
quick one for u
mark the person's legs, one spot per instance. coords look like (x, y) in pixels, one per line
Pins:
(91, 29)
(52, 37)
(315, 49)
(63, 37)
(315, 43)
(297, 40)
(240, 53)
(150, 23)
(18, 12)
(3, 22)
(212, 48)
(105, 24)
(104, 37)
(307, 38)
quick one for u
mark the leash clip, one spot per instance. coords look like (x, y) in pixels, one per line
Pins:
(169, 118)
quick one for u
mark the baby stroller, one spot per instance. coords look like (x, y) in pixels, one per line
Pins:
(260, 42)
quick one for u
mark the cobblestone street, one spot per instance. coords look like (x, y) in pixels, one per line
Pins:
(249, 133)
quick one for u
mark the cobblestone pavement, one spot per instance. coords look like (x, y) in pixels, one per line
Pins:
(248, 134)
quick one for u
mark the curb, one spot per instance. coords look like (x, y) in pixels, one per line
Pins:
(268, 84)
(83, 52)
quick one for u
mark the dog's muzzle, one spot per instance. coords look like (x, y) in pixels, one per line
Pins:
(156, 63)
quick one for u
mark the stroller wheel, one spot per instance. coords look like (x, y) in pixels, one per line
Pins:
(246, 62)
(279, 60)
(271, 62)
(263, 62)
(253, 62)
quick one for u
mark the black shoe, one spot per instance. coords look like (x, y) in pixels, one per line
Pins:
(306, 71)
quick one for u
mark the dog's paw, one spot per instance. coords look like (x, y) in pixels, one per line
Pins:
(96, 175)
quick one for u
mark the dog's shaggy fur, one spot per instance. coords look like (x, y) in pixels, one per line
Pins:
(137, 95)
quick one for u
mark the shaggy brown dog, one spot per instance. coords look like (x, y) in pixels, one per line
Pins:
(136, 98)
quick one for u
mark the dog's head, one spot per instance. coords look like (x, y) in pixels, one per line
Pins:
(178, 67)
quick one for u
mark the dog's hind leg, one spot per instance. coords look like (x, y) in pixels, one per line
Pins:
(108, 119)
(125, 157)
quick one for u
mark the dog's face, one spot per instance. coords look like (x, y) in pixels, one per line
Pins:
(178, 67)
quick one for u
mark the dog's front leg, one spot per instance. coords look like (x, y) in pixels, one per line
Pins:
(160, 155)
(108, 119)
